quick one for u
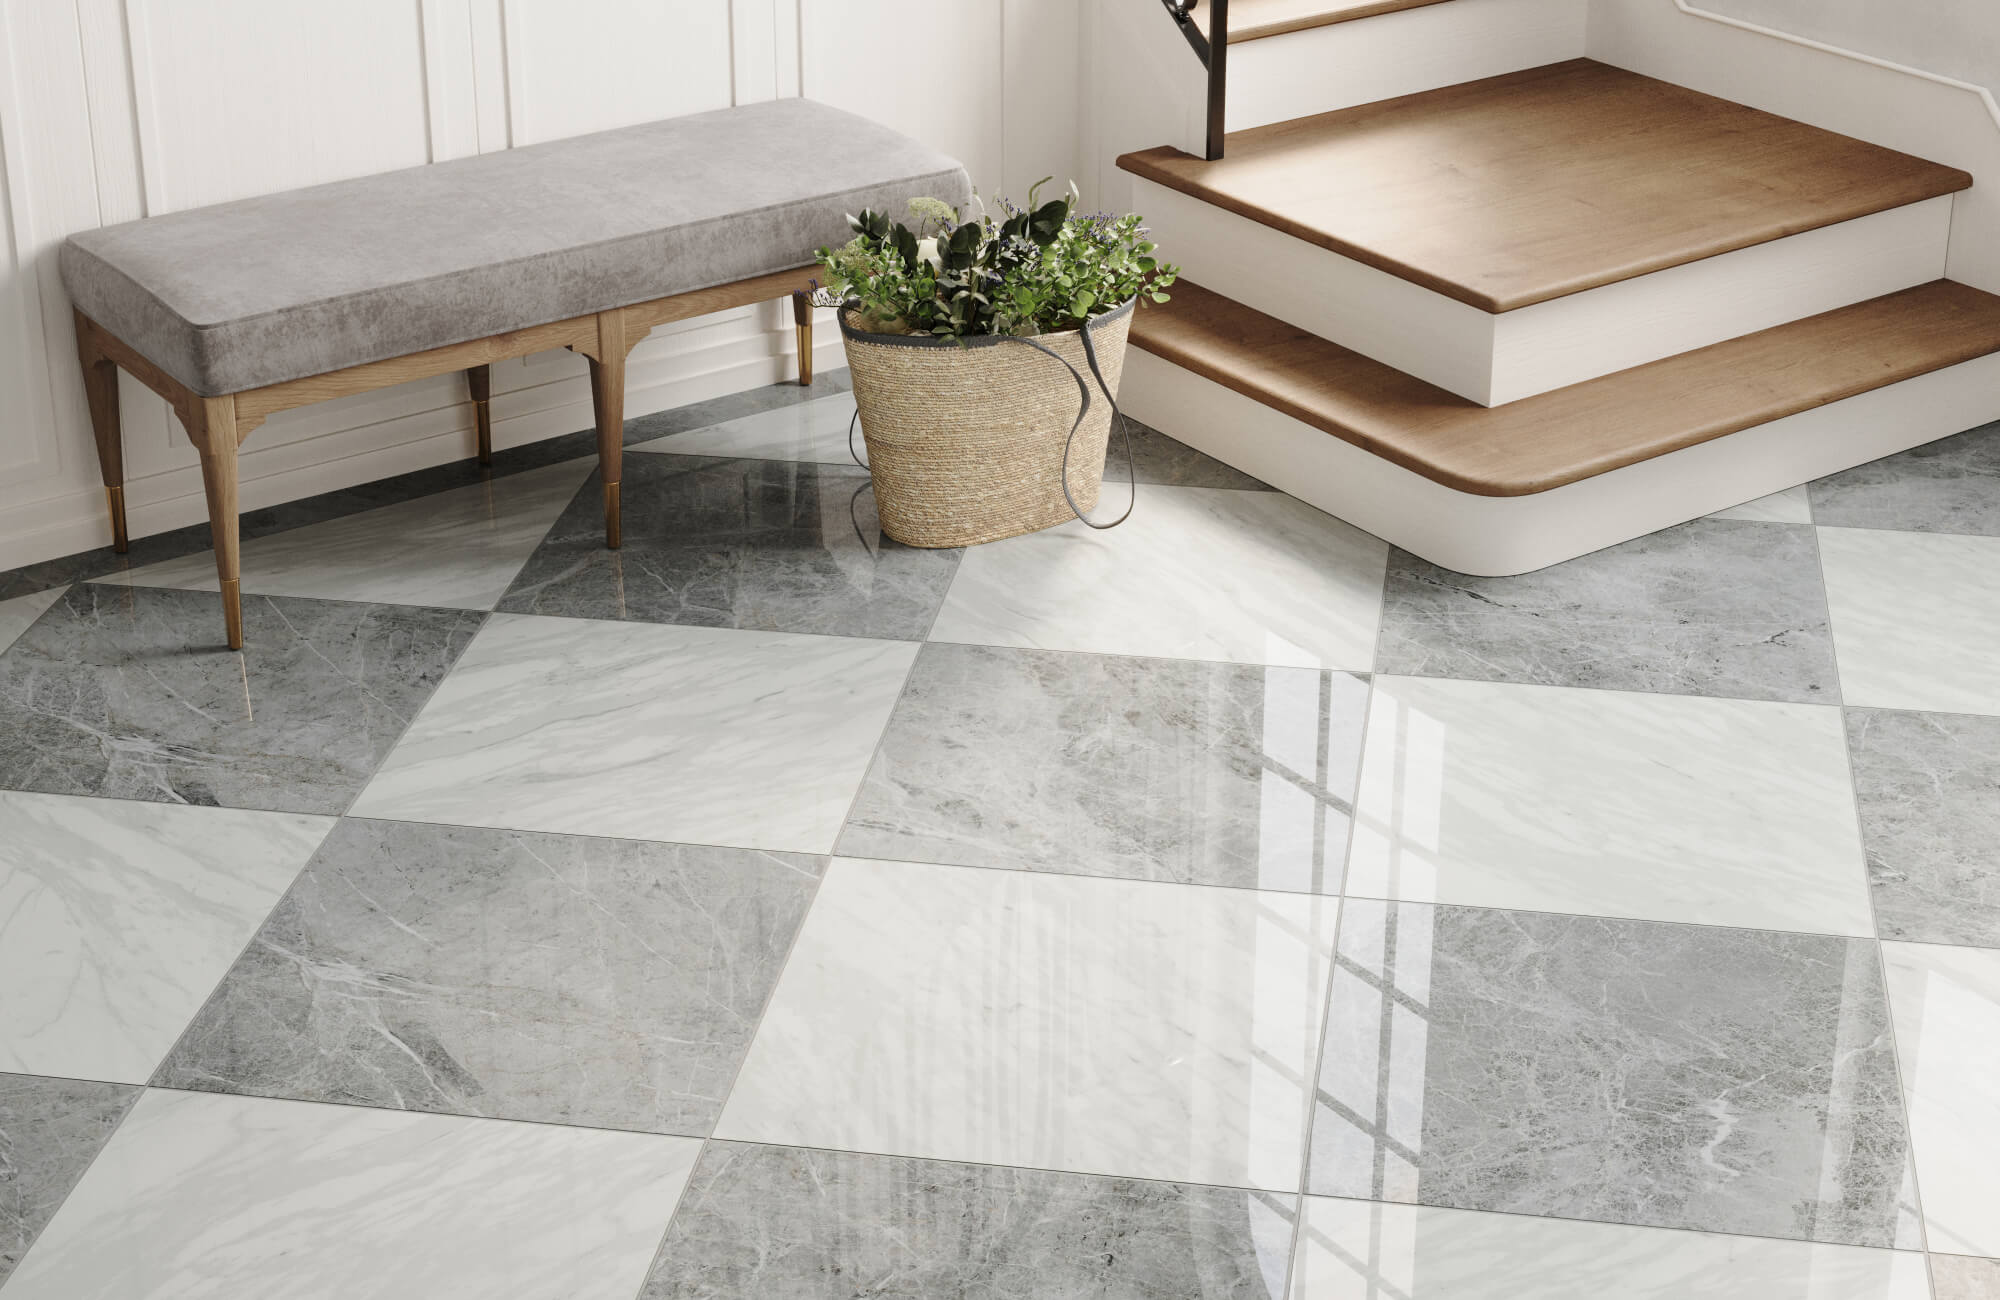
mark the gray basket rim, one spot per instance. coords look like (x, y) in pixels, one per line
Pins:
(972, 340)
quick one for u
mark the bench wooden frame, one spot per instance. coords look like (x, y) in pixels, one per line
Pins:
(218, 425)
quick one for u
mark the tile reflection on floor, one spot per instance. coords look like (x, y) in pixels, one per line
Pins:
(994, 1017)
(1154, 769)
(458, 549)
(1357, 1250)
(1947, 1003)
(1658, 807)
(1735, 1081)
(234, 1196)
(1247, 577)
(1225, 905)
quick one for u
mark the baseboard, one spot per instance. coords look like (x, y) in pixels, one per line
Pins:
(1500, 536)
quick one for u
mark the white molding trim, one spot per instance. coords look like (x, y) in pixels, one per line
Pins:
(1985, 95)
(1502, 536)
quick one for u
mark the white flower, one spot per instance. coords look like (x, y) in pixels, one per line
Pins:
(927, 252)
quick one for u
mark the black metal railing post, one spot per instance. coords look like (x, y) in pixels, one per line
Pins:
(1212, 49)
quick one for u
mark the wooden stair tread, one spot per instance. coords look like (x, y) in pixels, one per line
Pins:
(1251, 20)
(1530, 186)
(1573, 433)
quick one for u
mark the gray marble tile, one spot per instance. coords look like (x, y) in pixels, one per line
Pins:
(19, 614)
(774, 546)
(1929, 787)
(1713, 607)
(1166, 462)
(125, 692)
(50, 1130)
(1151, 769)
(734, 406)
(1948, 486)
(785, 1223)
(1632, 1072)
(1964, 1277)
(557, 978)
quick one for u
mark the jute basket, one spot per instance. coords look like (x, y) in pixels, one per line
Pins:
(966, 444)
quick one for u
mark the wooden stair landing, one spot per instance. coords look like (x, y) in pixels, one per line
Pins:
(1530, 186)
(1250, 20)
(1574, 433)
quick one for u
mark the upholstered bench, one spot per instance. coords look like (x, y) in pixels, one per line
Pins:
(237, 311)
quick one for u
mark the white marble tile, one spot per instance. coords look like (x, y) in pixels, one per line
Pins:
(18, 613)
(1195, 573)
(1916, 618)
(1100, 1026)
(814, 431)
(698, 735)
(457, 549)
(117, 919)
(213, 1196)
(1363, 1250)
(1792, 506)
(1609, 803)
(1946, 1004)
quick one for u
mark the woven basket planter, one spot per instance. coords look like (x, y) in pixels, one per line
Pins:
(965, 444)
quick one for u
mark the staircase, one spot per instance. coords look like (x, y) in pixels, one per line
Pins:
(1506, 318)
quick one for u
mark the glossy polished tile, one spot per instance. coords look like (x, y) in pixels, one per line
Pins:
(18, 614)
(1151, 769)
(1960, 1277)
(1948, 486)
(1096, 1026)
(784, 1222)
(565, 979)
(1360, 1250)
(231, 1196)
(1675, 1076)
(457, 549)
(709, 412)
(1167, 462)
(1916, 618)
(1713, 607)
(1929, 786)
(1947, 1005)
(125, 692)
(1609, 803)
(1792, 506)
(634, 731)
(50, 1130)
(809, 431)
(1195, 573)
(739, 543)
(117, 918)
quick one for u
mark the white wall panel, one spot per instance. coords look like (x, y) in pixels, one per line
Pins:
(589, 65)
(932, 71)
(242, 97)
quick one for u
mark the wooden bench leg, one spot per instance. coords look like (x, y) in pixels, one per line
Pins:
(100, 388)
(217, 442)
(802, 319)
(480, 380)
(607, 399)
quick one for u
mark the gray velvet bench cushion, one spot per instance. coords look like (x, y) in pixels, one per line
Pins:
(241, 295)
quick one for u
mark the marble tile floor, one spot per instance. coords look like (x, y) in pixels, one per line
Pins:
(1227, 905)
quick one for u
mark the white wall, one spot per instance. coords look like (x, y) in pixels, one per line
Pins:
(1953, 38)
(116, 109)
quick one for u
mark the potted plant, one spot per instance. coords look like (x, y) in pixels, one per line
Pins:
(986, 353)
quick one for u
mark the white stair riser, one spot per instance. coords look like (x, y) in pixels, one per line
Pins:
(1502, 536)
(1277, 78)
(1497, 358)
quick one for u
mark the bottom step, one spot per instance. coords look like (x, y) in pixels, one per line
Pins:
(1508, 489)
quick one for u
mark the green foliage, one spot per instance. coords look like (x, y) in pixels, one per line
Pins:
(1035, 270)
